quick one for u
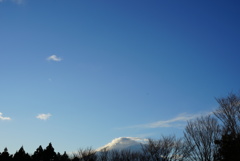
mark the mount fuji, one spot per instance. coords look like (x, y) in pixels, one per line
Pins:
(124, 143)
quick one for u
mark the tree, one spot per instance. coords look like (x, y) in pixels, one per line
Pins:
(38, 154)
(228, 148)
(86, 154)
(200, 135)
(128, 155)
(64, 157)
(5, 156)
(228, 113)
(115, 155)
(49, 153)
(103, 155)
(21, 155)
(165, 149)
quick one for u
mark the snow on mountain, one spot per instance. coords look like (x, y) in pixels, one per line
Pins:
(124, 143)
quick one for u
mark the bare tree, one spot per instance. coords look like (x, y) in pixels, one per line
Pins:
(122, 155)
(103, 155)
(87, 154)
(228, 113)
(200, 135)
(115, 155)
(165, 149)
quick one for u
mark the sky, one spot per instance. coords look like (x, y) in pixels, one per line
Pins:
(80, 73)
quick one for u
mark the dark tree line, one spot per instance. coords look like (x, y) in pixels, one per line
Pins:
(47, 154)
(215, 137)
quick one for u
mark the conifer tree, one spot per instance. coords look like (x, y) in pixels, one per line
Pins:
(21, 155)
(5, 156)
(49, 153)
(64, 157)
(38, 154)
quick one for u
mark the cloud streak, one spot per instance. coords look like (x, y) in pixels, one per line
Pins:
(43, 116)
(54, 58)
(178, 121)
(4, 118)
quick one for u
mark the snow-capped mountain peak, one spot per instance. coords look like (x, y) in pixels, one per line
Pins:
(124, 143)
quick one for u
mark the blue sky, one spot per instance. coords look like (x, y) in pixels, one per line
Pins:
(81, 73)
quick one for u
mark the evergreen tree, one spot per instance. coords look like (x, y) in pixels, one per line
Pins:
(49, 153)
(38, 154)
(5, 156)
(21, 155)
(75, 159)
(58, 157)
(64, 157)
(229, 148)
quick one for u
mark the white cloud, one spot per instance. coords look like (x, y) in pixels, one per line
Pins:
(178, 121)
(54, 58)
(43, 116)
(4, 118)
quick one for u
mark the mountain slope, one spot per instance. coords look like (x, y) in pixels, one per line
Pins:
(124, 143)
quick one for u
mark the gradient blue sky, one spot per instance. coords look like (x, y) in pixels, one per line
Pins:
(111, 68)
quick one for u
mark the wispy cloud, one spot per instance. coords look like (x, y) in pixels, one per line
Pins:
(178, 121)
(43, 116)
(54, 58)
(4, 118)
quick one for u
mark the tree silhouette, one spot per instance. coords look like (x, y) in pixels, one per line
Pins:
(64, 157)
(200, 135)
(21, 155)
(5, 156)
(87, 154)
(38, 154)
(165, 149)
(229, 147)
(49, 153)
(228, 113)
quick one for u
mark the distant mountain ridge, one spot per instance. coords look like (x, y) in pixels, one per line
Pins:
(124, 143)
